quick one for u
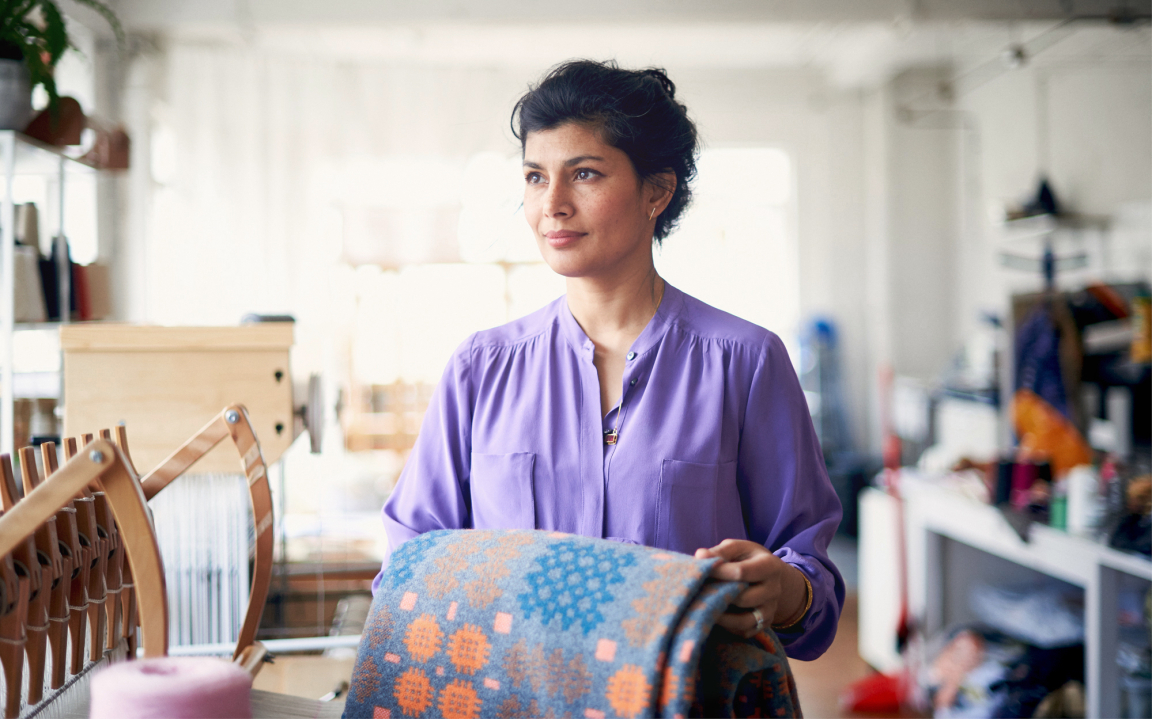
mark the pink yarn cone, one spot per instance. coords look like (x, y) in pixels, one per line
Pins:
(172, 688)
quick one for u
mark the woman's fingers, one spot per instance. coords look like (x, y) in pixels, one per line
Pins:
(742, 560)
(754, 568)
(744, 623)
(745, 561)
(740, 624)
(757, 595)
(732, 550)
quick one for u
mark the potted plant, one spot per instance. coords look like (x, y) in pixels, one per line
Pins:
(33, 38)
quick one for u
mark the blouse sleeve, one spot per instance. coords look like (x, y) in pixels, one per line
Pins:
(432, 490)
(790, 505)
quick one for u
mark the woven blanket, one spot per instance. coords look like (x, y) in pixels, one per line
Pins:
(511, 624)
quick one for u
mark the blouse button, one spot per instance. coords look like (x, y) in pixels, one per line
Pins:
(631, 355)
(633, 381)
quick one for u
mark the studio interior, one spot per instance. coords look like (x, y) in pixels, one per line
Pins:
(305, 308)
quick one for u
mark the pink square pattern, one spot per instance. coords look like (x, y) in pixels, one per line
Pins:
(491, 683)
(408, 603)
(662, 555)
(393, 658)
(503, 623)
(381, 713)
(451, 611)
(686, 650)
(605, 650)
(593, 714)
(439, 671)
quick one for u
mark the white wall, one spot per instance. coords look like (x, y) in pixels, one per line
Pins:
(910, 239)
(1085, 120)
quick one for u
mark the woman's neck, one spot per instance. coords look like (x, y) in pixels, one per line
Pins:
(614, 312)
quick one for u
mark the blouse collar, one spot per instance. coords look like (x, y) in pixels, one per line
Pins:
(670, 306)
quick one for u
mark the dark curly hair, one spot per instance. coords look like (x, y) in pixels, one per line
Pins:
(635, 111)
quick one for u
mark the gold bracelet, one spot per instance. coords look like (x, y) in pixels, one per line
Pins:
(803, 612)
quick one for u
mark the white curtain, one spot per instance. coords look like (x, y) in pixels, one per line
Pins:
(274, 174)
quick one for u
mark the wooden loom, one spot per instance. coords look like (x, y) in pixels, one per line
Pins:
(79, 553)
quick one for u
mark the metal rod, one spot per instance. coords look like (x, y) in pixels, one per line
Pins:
(275, 646)
(8, 303)
(63, 261)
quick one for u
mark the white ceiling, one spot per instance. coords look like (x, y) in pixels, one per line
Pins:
(853, 42)
(161, 14)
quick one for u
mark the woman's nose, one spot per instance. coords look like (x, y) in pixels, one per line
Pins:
(556, 201)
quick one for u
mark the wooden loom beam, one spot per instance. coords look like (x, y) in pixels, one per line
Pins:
(232, 422)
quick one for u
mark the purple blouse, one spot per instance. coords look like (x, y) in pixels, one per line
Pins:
(715, 442)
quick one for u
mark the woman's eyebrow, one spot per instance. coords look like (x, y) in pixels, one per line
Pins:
(567, 163)
(582, 158)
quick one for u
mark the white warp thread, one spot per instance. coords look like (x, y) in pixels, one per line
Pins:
(205, 532)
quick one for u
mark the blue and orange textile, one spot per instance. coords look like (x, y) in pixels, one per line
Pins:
(523, 623)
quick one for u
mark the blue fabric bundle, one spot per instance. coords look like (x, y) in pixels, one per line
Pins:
(510, 624)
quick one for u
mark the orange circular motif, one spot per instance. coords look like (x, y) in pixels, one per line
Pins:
(468, 649)
(413, 692)
(458, 700)
(628, 691)
(423, 638)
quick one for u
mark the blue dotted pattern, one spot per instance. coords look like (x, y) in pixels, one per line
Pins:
(405, 560)
(572, 583)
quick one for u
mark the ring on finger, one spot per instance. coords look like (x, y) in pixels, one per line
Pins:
(759, 619)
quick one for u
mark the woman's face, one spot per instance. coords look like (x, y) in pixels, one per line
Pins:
(588, 210)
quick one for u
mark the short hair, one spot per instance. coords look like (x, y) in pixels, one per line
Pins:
(634, 111)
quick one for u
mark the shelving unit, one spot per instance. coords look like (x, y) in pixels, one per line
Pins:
(20, 157)
(954, 542)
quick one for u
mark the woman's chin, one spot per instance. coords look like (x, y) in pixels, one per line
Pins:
(566, 264)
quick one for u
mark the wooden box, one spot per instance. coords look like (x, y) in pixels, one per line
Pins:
(165, 383)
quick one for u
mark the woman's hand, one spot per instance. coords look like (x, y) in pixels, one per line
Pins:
(775, 587)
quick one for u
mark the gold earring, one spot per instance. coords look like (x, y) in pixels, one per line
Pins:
(652, 213)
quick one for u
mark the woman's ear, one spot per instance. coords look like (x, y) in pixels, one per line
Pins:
(659, 190)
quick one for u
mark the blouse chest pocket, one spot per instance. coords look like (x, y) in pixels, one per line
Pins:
(502, 491)
(698, 505)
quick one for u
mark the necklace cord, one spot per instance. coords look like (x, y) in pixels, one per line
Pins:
(611, 436)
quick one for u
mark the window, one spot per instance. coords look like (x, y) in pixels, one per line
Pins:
(735, 248)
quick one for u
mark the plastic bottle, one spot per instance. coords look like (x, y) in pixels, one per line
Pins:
(1083, 488)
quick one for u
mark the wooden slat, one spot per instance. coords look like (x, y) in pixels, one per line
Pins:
(185, 456)
(144, 338)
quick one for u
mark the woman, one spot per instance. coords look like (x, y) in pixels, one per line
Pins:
(627, 409)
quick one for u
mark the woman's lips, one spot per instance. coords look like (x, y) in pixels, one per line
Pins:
(562, 238)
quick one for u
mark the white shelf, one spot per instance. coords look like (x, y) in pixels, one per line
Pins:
(1069, 557)
(936, 520)
(22, 156)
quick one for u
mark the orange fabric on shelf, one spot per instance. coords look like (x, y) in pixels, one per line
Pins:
(1044, 432)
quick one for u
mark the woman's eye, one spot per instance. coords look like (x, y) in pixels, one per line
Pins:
(585, 174)
(533, 178)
